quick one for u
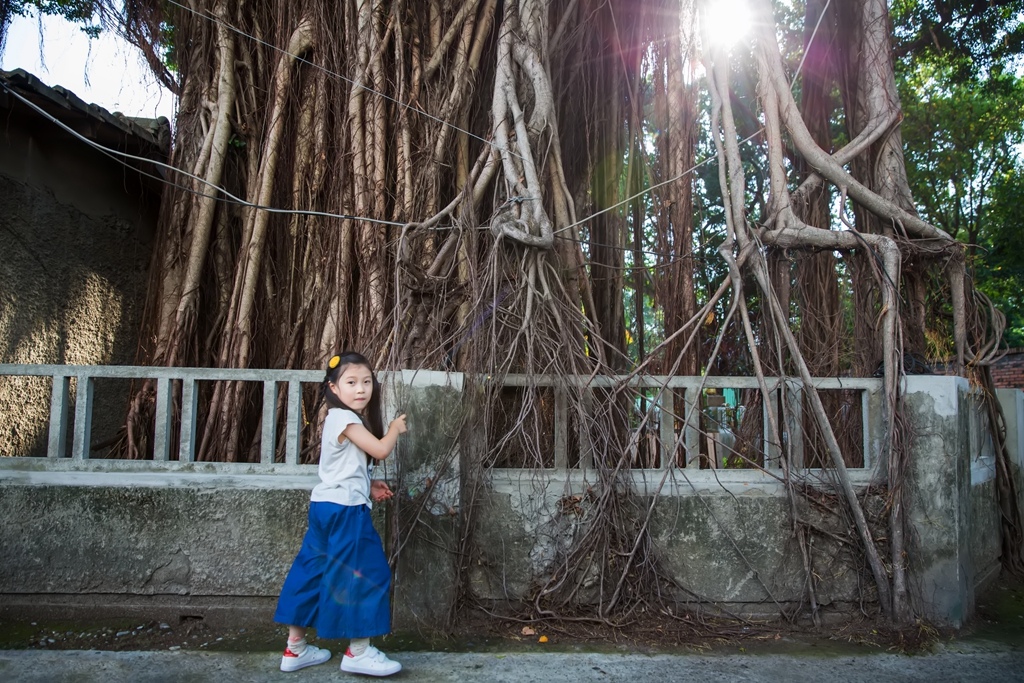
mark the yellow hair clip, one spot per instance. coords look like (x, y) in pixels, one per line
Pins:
(333, 362)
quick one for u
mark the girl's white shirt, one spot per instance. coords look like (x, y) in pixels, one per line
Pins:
(344, 474)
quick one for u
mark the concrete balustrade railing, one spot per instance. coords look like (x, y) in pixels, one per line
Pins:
(666, 388)
(177, 388)
(85, 376)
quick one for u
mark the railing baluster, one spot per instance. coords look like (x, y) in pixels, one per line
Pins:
(865, 400)
(794, 402)
(666, 427)
(268, 438)
(691, 403)
(561, 427)
(586, 445)
(294, 435)
(57, 445)
(189, 404)
(162, 417)
(83, 417)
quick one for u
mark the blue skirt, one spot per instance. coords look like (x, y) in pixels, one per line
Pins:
(340, 582)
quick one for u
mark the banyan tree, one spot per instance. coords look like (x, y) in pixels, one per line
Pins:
(552, 188)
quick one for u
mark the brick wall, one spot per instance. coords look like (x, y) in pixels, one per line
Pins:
(1008, 371)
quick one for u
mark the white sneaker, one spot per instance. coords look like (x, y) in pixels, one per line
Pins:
(373, 662)
(311, 656)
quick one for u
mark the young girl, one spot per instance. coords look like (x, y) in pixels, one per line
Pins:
(340, 581)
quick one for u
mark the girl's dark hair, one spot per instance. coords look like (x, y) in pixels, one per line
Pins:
(372, 415)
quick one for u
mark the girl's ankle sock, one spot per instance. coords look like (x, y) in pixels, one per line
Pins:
(357, 646)
(297, 646)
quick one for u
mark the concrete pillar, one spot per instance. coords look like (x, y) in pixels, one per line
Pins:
(422, 522)
(1012, 402)
(938, 498)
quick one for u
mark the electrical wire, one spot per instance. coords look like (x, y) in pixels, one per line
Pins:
(242, 202)
(117, 155)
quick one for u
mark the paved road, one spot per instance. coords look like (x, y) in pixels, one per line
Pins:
(974, 663)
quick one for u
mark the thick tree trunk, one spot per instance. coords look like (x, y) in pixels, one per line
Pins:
(676, 93)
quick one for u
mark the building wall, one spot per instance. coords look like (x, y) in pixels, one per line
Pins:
(76, 230)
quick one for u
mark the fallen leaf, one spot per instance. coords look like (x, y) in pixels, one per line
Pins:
(542, 639)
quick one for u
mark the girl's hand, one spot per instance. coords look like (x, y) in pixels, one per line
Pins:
(379, 491)
(378, 449)
(398, 424)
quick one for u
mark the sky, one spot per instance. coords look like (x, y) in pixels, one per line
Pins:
(106, 71)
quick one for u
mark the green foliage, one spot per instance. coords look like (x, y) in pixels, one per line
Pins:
(964, 131)
(970, 36)
(167, 40)
(999, 272)
(84, 12)
(961, 138)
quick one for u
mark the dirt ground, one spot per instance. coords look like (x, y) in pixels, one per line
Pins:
(1000, 618)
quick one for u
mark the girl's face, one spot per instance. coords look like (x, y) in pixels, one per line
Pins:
(354, 386)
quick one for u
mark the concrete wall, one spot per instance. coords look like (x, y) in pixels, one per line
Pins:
(728, 543)
(951, 499)
(76, 231)
(726, 536)
(91, 545)
(206, 537)
(141, 538)
(424, 517)
(1012, 402)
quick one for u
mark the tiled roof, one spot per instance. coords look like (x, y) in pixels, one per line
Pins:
(144, 137)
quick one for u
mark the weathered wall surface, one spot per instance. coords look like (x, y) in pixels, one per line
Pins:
(85, 549)
(76, 231)
(985, 545)
(144, 540)
(423, 518)
(950, 498)
(135, 544)
(729, 544)
(186, 540)
(1012, 403)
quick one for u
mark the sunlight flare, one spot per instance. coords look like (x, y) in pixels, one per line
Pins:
(726, 21)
